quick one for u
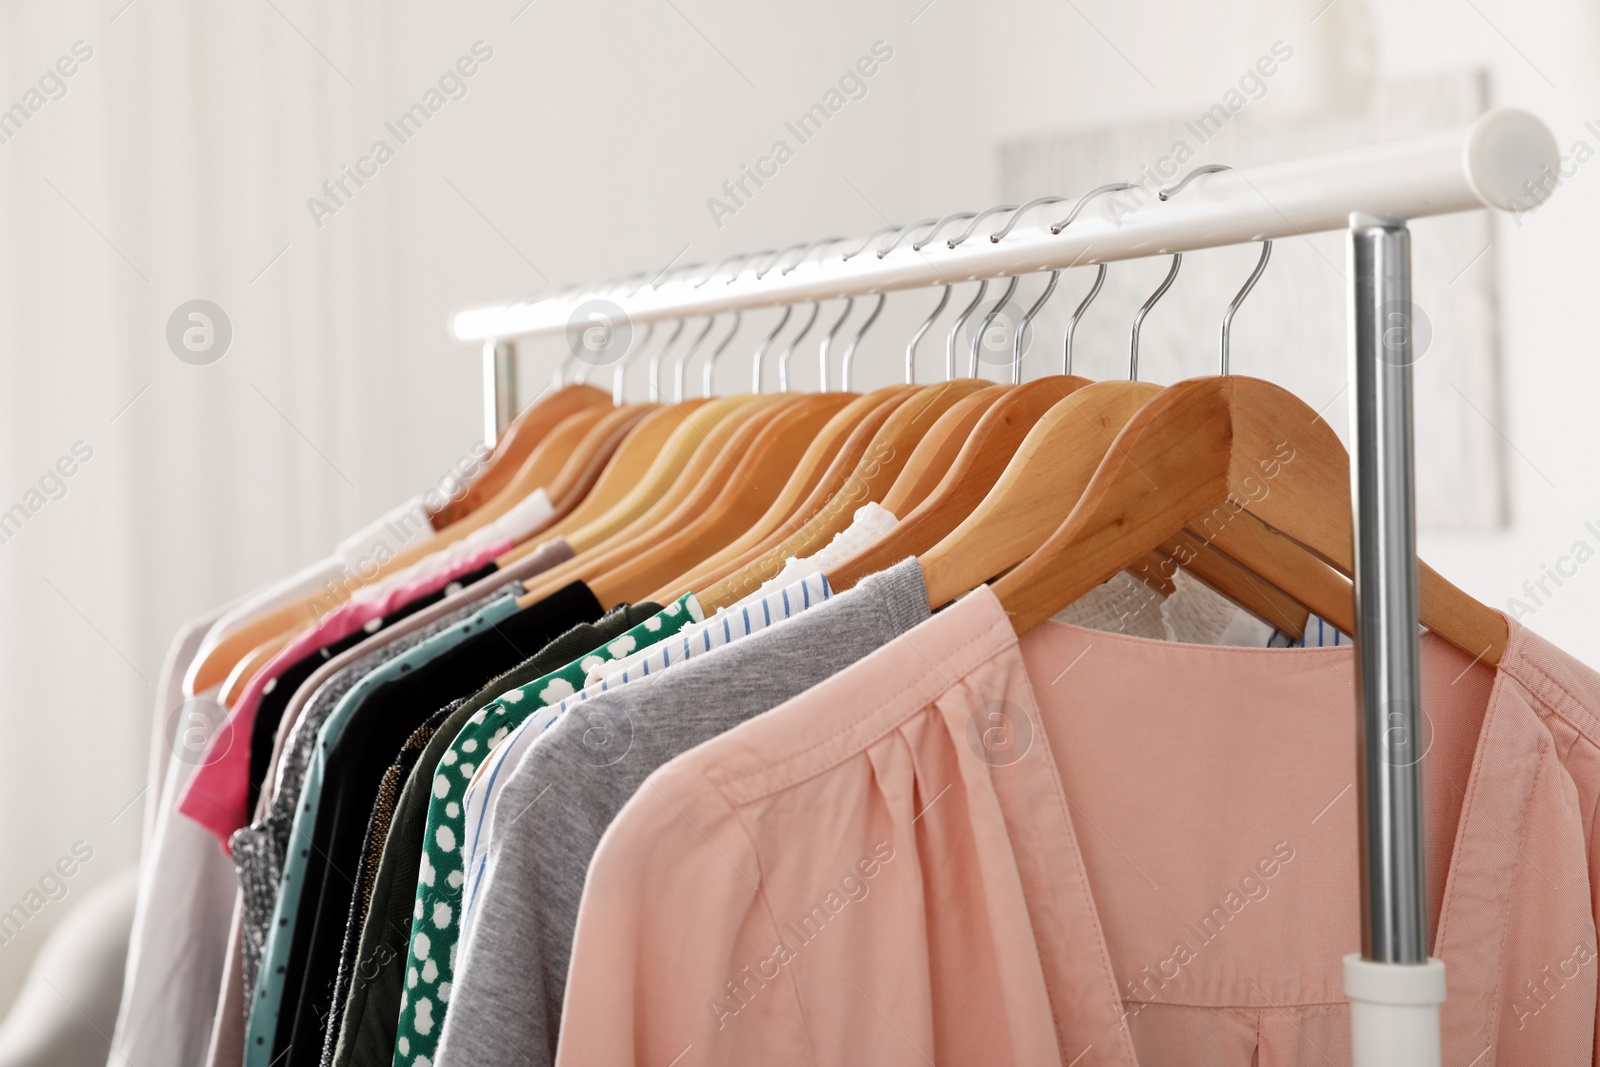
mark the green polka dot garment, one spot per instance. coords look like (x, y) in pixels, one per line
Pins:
(435, 920)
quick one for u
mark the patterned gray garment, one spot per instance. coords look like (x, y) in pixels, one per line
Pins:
(259, 849)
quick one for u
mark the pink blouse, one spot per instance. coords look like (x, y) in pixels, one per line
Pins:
(1080, 848)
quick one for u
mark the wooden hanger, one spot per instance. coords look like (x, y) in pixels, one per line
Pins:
(582, 469)
(838, 445)
(699, 480)
(245, 669)
(981, 461)
(589, 526)
(937, 451)
(627, 466)
(745, 497)
(216, 660)
(872, 477)
(526, 430)
(1204, 454)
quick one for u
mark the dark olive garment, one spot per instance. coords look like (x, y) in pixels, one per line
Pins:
(374, 969)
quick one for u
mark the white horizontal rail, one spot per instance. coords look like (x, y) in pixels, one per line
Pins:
(1505, 160)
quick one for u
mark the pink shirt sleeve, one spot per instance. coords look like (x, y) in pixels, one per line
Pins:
(218, 793)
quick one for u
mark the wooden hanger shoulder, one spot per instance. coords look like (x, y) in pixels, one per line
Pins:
(1200, 455)
(831, 444)
(588, 526)
(1045, 477)
(935, 453)
(703, 464)
(980, 462)
(518, 440)
(579, 473)
(756, 480)
(873, 475)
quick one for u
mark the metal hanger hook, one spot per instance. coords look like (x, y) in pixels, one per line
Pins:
(874, 235)
(850, 349)
(827, 341)
(911, 345)
(1086, 198)
(761, 349)
(680, 369)
(711, 360)
(628, 357)
(783, 360)
(961, 320)
(917, 246)
(905, 231)
(1077, 316)
(1173, 190)
(1138, 319)
(810, 248)
(655, 361)
(979, 217)
(999, 235)
(983, 328)
(1027, 321)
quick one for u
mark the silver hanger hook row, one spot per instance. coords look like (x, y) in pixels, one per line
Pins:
(761, 349)
(999, 235)
(810, 248)
(1027, 321)
(827, 342)
(850, 349)
(776, 257)
(905, 231)
(783, 360)
(911, 345)
(979, 217)
(919, 245)
(983, 328)
(711, 360)
(1250, 282)
(874, 235)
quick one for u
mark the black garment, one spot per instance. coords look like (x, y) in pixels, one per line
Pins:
(269, 712)
(372, 966)
(354, 767)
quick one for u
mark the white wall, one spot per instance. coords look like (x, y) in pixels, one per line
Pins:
(183, 154)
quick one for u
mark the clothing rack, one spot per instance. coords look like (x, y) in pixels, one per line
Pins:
(1373, 192)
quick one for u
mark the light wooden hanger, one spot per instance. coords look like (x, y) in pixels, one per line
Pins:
(837, 447)
(699, 478)
(518, 440)
(934, 454)
(982, 458)
(872, 477)
(758, 478)
(1220, 450)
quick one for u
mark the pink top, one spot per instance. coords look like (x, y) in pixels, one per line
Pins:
(218, 793)
(1083, 848)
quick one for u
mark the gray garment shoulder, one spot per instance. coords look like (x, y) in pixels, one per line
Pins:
(512, 967)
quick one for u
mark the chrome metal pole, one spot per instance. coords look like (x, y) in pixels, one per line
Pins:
(1392, 733)
(499, 388)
